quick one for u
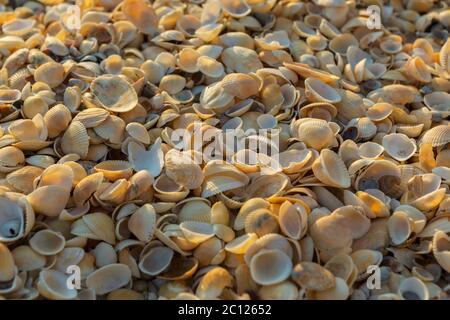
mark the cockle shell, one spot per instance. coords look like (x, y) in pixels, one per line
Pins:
(114, 93)
(109, 278)
(52, 285)
(331, 170)
(270, 267)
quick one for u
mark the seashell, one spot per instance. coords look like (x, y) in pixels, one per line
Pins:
(342, 42)
(183, 169)
(215, 182)
(213, 283)
(9, 96)
(308, 131)
(210, 252)
(413, 289)
(169, 190)
(326, 230)
(240, 244)
(399, 227)
(208, 32)
(437, 136)
(399, 146)
(109, 278)
(282, 291)
(27, 259)
(318, 91)
(342, 266)
(293, 220)
(370, 150)
(114, 169)
(441, 249)
(7, 265)
(86, 188)
(180, 268)
(49, 200)
(210, 67)
(47, 242)
(317, 42)
(141, 15)
(240, 59)
(142, 222)
(365, 258)
(173, 84)
(339, 292)
(91, 117)
(156, 260)
(152, 161)
(319, 110)
(249, 206)
(51, 284)
(197, 232)
(306, 72)
(97, 225)
(51, 73)
(379, 111)
(57, 120)
(269, 267)
(267, 186)
(424, 192)
(312, 276)
(124, 98)
(75, 140)
(236, 9)
(261, 222)
(330, 169)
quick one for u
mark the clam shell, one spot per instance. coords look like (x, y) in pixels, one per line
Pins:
(249, 206)
(441, 249)
(114, 169)
(318, 91)
(261, 222)
(27, 259)
(12, 221)
(339, 292)
(114, 93)
(142, 223)
(269, 267)
(97, 225)
(312, 276)
(47, 242)
(7, 264)
(51, 73)
(213, 283)
(156, 260)
(49, 200)
(240, 244)
(75, 140)
(109, 278)
(52, 285)
(413, 289)
(197, 232)
(331, 170)
(183, 169)
(282, 291)
(292, 220)
(437, 136)
(399, 146)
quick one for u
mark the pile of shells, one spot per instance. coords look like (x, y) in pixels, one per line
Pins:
(92, 178)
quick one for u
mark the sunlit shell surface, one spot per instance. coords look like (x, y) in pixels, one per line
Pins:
(224, 149)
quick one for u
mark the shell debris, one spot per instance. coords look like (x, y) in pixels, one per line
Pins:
(228, 149)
